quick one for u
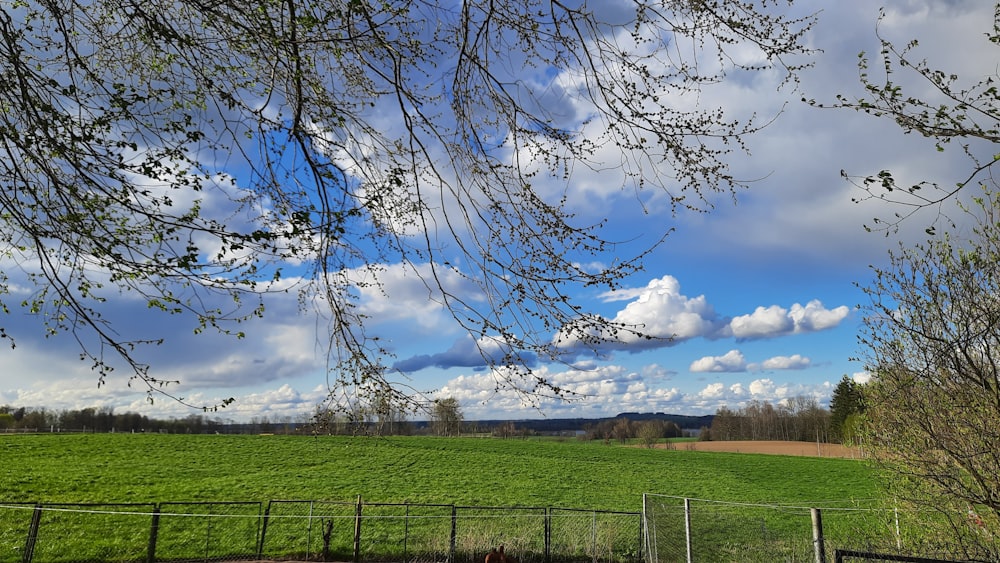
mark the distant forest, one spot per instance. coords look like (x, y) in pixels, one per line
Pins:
(104, 419)
(795, 419)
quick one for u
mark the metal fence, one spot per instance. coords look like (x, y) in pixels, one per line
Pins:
(308, 530)
(685, 530)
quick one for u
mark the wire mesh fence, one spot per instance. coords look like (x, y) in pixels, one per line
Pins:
(683, 530)
(312, 531)
(594, 536)
(205, 531)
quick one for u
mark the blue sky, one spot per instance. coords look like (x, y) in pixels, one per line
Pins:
(759, 294)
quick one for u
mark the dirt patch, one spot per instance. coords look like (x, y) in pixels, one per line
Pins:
(811, 449)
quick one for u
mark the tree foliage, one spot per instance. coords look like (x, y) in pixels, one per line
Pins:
(446, 417)
(798, 418)
(932, 341)
(940, 105)
(201, 154)
(930, 330)
(846, 404)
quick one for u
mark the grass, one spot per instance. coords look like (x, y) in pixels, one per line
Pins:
(109, 468)
(490, 476)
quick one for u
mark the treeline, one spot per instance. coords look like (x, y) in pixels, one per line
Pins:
(104, 419)
(799, 418)
(624, 429)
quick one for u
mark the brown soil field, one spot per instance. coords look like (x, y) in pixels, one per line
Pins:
(771, 447)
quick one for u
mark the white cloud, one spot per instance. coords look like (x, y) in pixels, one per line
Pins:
(794, 361)
(663, 311)
(762, 323)
(731, 361)
(713, 391)
(774, 321)
(668, 317)
(82, 392)
(761, 387)
(813, 316)
(660, 311)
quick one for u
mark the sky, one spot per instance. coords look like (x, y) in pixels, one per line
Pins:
(759, 295)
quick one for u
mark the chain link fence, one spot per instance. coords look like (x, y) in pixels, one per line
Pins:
(684, 530)
(312, 531)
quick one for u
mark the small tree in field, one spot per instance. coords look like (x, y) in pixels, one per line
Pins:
(932, 341)
(447, 417)
(650, 432)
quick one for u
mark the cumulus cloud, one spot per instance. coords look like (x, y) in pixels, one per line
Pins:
(731, 361)
(813, 316)
(774, 321)
(663, 311)
(734, 361)
(658, 311)
(762, 323)
(662, 315)
(794, 361)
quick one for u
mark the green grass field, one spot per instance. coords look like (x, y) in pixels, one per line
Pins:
(495, 482)
(491, 472)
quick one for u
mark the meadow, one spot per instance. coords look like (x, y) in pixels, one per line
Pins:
(108, 468)
(565, 498)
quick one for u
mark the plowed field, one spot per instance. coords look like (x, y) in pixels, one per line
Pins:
(772, 447)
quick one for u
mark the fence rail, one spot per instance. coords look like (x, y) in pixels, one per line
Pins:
(309, 530)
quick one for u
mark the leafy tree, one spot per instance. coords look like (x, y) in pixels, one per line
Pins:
(202, 154)
(808, 421)
(38, 420)
(650, 432)
(932, 340)
(622, 430)
(446, 417)
(845, 404)
(930, 330)
(797, 418)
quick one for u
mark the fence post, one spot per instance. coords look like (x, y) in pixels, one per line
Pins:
(648, 532)
(357, 531)
(154, 530)
(548, 534)
(593, 534)
(817, 521)
(454, 534)
(687, 528)
(29, 544)
(640, 546)
(263, 531)
(406, 532)
(899, 538)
